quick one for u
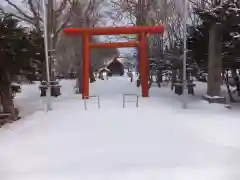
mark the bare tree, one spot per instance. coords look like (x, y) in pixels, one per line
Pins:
(31, 11)
(152, 12)
(84, 14)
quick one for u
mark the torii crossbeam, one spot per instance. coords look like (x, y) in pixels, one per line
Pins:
(141, 44)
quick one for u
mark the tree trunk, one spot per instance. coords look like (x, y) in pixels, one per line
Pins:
(140, 21)
(52, 37)
(5, 89)
(214, 62)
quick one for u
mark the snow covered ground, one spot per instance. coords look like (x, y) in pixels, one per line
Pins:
(158, 140)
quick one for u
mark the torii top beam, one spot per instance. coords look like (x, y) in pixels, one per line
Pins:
(115, 30)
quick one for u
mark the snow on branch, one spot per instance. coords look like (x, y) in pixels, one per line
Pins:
(226, 11)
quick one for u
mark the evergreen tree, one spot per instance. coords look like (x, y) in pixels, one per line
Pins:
(20, 54)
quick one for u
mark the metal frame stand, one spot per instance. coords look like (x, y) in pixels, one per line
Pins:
(125, 100)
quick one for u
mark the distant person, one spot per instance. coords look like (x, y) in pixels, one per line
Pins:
(130, 74)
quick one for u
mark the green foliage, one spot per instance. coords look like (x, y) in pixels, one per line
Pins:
(198, 45)
(21, 50)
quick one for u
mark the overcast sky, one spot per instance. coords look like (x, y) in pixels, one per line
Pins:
(2, 2)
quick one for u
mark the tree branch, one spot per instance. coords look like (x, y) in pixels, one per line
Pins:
(19, 10)
(33, 10)
(63, 6)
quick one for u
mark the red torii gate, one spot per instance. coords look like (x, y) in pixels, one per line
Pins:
(142, 31)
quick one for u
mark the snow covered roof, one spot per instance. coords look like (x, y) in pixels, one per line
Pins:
(121, 60)
(103, 69)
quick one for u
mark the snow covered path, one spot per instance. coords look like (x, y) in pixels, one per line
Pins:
(158, 140)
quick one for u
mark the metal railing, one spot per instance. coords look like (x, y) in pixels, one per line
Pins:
(130, 95)
(86, 98)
